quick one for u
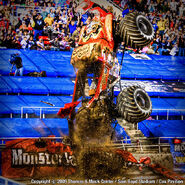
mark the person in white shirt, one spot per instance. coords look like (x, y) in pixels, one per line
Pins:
(24, 43)
(40, 44)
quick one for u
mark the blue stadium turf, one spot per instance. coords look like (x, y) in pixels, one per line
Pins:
(163, 128)
(33, 127)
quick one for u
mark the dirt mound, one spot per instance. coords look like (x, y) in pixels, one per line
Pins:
(100, 163)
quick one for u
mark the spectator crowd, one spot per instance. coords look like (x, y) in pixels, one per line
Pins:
(56, 24)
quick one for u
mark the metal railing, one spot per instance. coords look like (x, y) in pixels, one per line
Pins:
(9, 181)
(168, 111)
(41, 111)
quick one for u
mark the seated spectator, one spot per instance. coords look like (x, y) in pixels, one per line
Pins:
(63, 19)
(174, 50)
(40, 44)
(25, 34)
(55, 44)
(162, 48)
(7, 41)
(63, 44)
(31, 43)
(16, 43)
(24, 43)
(23, 26)
(76, 33)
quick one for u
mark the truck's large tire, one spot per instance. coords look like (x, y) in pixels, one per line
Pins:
(134, 104)
(136, 30)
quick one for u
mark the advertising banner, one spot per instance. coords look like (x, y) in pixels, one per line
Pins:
(37, 158)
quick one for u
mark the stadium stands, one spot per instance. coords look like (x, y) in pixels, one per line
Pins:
(58, 64)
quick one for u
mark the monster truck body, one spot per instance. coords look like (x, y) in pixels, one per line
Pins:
(96, 55)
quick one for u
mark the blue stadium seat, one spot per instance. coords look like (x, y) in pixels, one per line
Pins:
(26, 85)
(4, 109)
(5, 87)
(164, 128)
(177, 103)
(33, 127)
(32, 104)
(5, 66)
(173, 104)
(58, 85)
(159, 103)
(14, 103)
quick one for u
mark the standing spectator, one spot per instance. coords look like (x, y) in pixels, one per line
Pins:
(181, 46)
(161, 26)
(181, 10)
(44, 13)
(151, 7)
(52, 14)
(63, 19)
(17, 61)
(173, 5)
(154, 24)
(39, 25)
(27, 20)
(49, 20)
(72, 27)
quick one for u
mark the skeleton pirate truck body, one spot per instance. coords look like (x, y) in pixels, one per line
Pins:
(95, 62)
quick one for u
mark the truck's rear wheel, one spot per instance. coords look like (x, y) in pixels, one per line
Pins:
(136, 30)
(134, 104)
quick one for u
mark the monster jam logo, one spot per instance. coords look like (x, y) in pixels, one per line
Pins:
(22, 159)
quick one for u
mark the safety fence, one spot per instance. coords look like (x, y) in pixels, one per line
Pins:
(42, 111)
(138, 144)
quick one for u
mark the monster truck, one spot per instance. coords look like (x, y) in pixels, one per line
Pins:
(98, 70)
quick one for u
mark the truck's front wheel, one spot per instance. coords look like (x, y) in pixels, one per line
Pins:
(134, 104)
